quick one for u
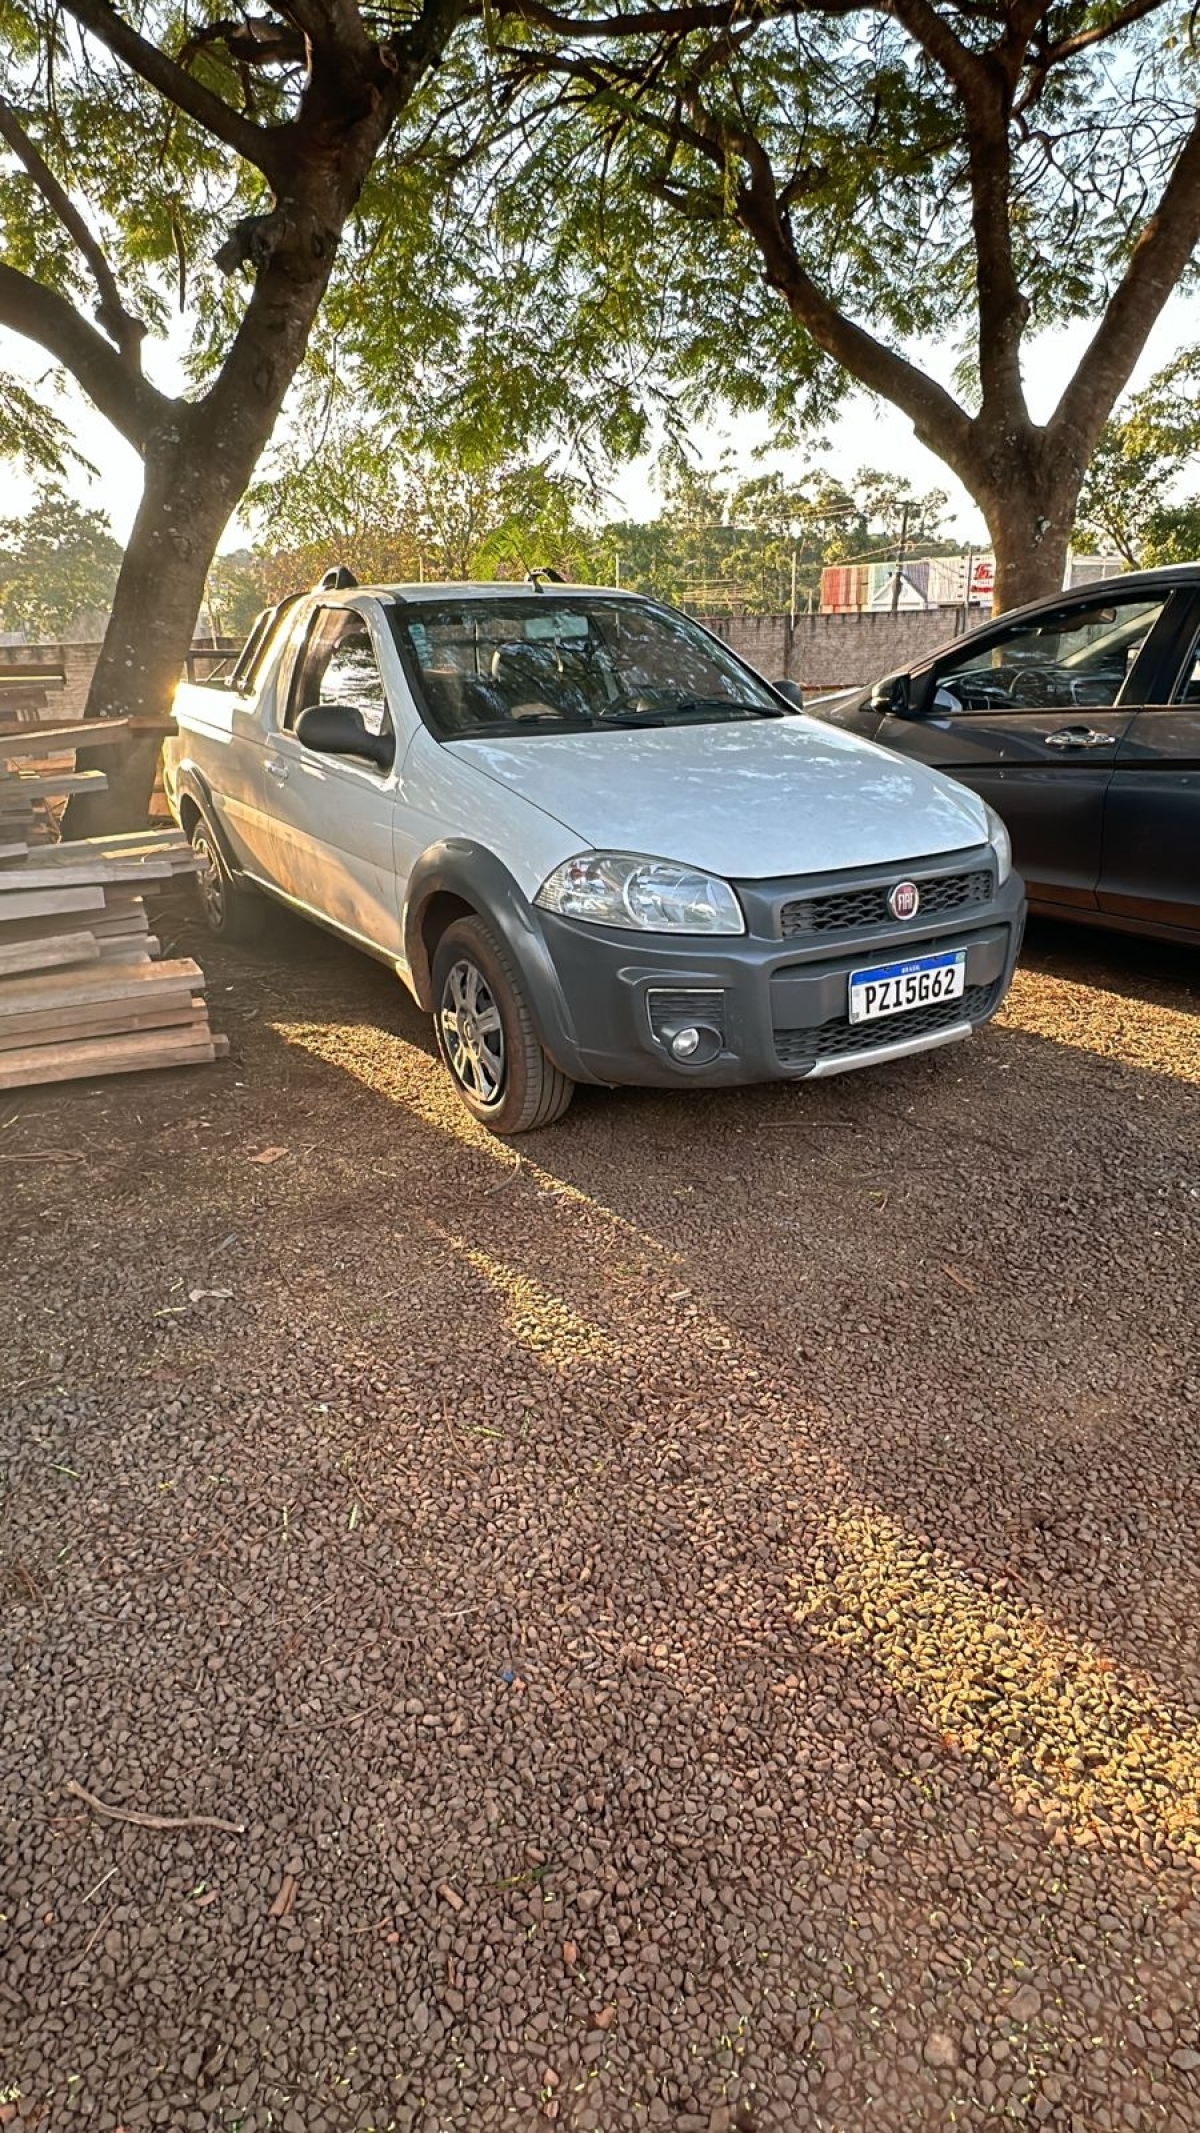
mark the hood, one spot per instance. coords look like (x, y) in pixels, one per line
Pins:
(751, 801)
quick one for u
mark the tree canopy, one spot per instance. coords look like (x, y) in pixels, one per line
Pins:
(767, 202)
(1131, 498)
(58, 566)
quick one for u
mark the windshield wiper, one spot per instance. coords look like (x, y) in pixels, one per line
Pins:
(727, 703)
(629, 718)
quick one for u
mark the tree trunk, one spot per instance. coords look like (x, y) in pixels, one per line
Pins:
(1028, 495)
(198, 462)
(184, 509)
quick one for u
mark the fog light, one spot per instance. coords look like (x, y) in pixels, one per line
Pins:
(685, 1042)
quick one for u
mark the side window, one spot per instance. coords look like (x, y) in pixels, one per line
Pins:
(338, 666)
(1073, 656)
(1187, 689)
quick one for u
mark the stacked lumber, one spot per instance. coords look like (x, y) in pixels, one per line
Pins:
(83, 990)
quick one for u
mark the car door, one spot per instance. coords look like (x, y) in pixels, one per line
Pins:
(332, 815)
(1151, 864)
(1032, 714)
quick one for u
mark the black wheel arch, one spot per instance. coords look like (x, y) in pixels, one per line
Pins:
(459, 879)
(194, 803)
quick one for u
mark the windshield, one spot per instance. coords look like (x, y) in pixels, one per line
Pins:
(554, 664)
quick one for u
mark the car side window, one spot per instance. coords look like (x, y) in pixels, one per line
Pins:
(339, 666)
(1187, 688)
(1068, 657)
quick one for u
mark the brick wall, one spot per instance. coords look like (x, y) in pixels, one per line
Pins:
(67, 675)
(835, 651)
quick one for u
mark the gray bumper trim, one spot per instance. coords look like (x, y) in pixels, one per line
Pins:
(878, 1054)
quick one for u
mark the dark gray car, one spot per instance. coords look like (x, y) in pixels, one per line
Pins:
(1078, 720)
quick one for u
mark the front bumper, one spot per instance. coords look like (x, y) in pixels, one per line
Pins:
(783, 1004)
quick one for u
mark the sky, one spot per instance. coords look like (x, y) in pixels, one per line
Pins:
(866, 434)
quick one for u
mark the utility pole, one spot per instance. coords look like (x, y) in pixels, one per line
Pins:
(792, 607)
(900, 557)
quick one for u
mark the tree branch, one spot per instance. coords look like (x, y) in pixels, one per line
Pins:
(644, 22)
(253, 143)
(125, 330)
(1157, 262)
(1067, 47)
(129, 401)
(936, 416)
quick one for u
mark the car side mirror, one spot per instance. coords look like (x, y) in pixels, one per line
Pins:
(893, 696)
(791, 693)
(340, 729)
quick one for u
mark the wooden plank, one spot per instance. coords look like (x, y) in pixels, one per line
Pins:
(121, 925)
(61, 948)
(22, 785)
(112, 1022)
(142, 948)
(48, 903)
(20, 996)
(9, 852)
(54, 739)
(106, 1055)
(45, 872)
(139, 840)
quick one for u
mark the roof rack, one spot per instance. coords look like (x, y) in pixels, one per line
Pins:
(336, 580)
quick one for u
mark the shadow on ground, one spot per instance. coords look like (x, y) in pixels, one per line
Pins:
(696, 1611)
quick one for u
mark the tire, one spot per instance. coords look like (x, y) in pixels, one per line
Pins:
(232, 912)
(486, 1036)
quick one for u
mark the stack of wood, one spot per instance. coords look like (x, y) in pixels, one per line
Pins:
(82, 988)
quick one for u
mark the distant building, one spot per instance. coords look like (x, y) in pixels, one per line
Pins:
(936, 581)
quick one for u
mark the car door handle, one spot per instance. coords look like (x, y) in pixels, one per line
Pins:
(277, 769)
(1080, 737)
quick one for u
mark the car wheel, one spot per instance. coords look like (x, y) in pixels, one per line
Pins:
(232, 912)
(486, 1034)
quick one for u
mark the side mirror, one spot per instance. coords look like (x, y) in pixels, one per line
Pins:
(893, 696)
(338, 729)
(791, 693)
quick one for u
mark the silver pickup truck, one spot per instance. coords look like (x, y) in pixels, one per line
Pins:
(592, 843)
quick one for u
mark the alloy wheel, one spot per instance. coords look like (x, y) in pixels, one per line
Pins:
(472, 1033)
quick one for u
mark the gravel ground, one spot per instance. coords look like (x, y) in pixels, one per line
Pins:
(696, 1619)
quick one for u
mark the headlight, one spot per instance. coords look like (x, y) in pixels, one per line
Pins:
(643, 895)
(1001, 844)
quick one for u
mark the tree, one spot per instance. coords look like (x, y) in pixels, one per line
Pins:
(57, 563)
(345, 491)
(1126, 501)
(749, 543)
(787, 197)
(129, 149)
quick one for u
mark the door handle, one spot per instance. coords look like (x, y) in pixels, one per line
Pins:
(277, 769)
(1080, 737)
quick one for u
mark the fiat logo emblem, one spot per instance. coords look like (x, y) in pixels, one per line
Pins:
(905, 900)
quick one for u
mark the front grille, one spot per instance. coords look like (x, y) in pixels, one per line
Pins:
(839, 1036)
(670, 1010)
(848, 910)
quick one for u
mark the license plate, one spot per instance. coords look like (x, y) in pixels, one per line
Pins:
(892, 988)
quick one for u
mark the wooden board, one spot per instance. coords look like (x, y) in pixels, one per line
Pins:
(45, 870)
(53, 739)
(10, 852)
(115, 1021)
(55, 785)
(47, 903)
(108, 1055)
(51, 954)
(21, 996)
(140, 948)
(106, 925)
